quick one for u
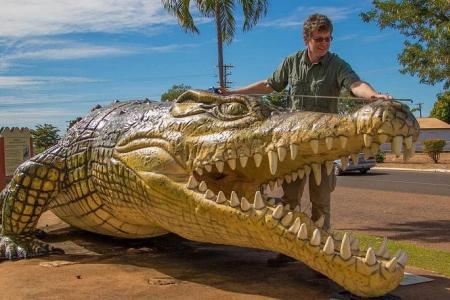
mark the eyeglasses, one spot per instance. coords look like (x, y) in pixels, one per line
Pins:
(321, 39)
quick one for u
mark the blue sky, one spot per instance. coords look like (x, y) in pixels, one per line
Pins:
(60, 58)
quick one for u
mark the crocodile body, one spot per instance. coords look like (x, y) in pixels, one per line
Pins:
(196, 168)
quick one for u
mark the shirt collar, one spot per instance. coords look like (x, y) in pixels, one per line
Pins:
(322, 60)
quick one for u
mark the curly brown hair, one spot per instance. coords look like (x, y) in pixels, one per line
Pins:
(316, 22)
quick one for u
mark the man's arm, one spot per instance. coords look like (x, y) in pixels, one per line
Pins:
(364, 90)
(257, 88)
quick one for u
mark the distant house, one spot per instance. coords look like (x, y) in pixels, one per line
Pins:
(430, 128)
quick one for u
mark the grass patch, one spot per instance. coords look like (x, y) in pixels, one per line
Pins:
(421, 257)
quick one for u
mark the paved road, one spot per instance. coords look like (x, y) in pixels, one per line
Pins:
(402, 205)
(414, 182)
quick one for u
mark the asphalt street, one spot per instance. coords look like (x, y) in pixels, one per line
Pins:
(415, 182)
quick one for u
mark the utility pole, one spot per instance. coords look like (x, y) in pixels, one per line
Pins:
(226, 73)
(420, 108)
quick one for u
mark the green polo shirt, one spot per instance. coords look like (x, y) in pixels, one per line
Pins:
(325, 78)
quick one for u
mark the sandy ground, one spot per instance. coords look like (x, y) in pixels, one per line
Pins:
(418, 161)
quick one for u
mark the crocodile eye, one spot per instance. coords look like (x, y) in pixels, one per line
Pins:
(233, 109)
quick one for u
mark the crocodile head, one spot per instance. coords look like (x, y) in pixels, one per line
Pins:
(204, 163)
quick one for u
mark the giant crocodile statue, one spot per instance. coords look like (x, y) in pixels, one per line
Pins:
(196, 167)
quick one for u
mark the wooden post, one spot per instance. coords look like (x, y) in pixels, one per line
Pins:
(2, 164)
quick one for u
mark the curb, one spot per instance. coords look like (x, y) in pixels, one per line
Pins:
(411, 169)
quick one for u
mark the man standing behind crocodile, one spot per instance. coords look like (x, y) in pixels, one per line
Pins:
(317, 72)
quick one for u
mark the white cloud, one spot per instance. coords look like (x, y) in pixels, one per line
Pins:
(20, 18)
(335, 13)
(17, 81)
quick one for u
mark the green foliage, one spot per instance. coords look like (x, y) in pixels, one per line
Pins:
(73, 122)
(175, 91)
(441, 108)
(44, 136)
(434, 148)
(280, 99)
(346, 105)
(380, 156)
(425, 24)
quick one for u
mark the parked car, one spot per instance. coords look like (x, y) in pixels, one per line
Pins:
(363, 165)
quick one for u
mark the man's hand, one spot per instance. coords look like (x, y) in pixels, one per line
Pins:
(381, 96)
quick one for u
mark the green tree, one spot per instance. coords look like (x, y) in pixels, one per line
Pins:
(434, 148)
(280, 99)
(175, 91)
(44, 136)
(425, 24)
(441, 108)
(222, 11)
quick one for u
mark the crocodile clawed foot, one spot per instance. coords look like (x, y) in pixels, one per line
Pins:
(24, 246)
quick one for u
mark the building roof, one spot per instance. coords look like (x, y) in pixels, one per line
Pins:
(432, 123)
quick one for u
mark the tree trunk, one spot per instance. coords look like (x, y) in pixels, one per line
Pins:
(219, 45)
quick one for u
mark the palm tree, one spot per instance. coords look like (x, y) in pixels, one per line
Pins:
(222, 11)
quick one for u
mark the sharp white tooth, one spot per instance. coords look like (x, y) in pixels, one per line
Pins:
(294, 176)
(383, 248)
(192, 183)
(330, 166)
(272, 184)
(329, 246)
(367, 140)
(294, 150)
(281, 153)
(355, 245)
(209, 194)
(258, 201)
(278, 212)
(397, 145)
(273, 161)
(375, 148)
(317, 173)
(234, 199)
(288, 178)
(280, 181)
(392, 264)
(408, 142)
(403, 259)
(382, 138)
(370, 257)
(296, 226)
(301, 173)
(221, 198)
(208, 168)
(346, 252)
(202, 187)
(219, 166)
(315, 239)
(314, 146)
(329, 142)
(243, 160)
(343, 140)
(232, 163)
(344, 162)
(258, 159)
(287, 219)
(199, 171)
(319, 223)
(367, 153)
(302, 232)
(245, 205)
(307, 170)
(355, 159)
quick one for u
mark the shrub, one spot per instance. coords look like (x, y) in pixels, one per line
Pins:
(380, 156)
(434, 148)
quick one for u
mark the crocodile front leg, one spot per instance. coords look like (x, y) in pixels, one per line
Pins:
(26, 197)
